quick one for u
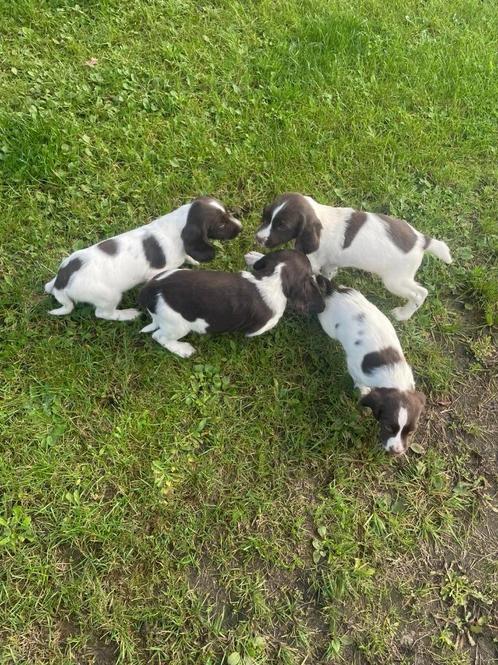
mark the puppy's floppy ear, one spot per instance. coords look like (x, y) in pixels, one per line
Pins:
(194, 236)
(373, 401)
(308, 238)
(302, 292)
(421, 399)
(316, 303)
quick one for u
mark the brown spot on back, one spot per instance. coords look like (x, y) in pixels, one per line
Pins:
(64, 274)
(353, 225)
(400, 232)
(153, 252)
(109, 246)
(387, 356)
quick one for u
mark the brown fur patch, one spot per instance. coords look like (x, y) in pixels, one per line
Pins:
(400, 232)
(353, 225)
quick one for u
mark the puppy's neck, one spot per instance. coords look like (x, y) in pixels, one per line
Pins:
(270, 289)
(398, 376)
(173, 223)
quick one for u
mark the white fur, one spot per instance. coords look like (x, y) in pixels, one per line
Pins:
(102, 279)
(340, 320)
(395, 443)
(277, 210)
(252, 257)
(217, 205)
(270, 289)
(170, 326)
(371, 250)
(262, 236)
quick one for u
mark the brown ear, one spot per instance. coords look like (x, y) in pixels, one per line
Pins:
(315, 301)
(195, 241)
(303, 293)
(308, 238)
(373, 401)
(420, 398)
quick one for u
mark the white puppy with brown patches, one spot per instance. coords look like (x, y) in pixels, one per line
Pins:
(375, 361)
(335, 238)
(100, 274)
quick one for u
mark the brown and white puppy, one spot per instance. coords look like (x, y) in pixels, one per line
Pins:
(336, 238)
(209, 301)
(375, 361)
(100, 274)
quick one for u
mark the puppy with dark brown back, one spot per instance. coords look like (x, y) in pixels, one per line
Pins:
(211, 301)
(375, 361)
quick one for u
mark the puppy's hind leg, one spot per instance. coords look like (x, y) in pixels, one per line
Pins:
(64, 300)
(105, 308)
(150, 327)
(409, 289)
(116, 314)
(171, 327)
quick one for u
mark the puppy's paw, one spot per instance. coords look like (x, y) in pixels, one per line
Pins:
(252, 257)
(402, 314)
(191, 261)
(182, 349)
(60, 311)
(126, 314)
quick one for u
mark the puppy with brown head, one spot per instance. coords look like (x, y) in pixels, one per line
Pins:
(209, 301)
(335, 238)
(102, 273)
(375, 361)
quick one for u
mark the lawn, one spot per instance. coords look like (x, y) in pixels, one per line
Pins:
(235, 507)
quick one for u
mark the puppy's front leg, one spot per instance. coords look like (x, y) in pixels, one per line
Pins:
(252, 257)
(191, 261)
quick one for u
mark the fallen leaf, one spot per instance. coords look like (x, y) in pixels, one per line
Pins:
(91, 62)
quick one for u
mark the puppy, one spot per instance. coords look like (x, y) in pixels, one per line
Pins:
(100, 274)
(375, 361)
(346, 238)
(208, 301)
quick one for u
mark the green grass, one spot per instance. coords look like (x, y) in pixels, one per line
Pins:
(154, 510)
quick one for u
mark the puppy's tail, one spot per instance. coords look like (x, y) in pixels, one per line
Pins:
(438, 248)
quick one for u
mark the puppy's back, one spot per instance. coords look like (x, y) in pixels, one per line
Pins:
(226, 301)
